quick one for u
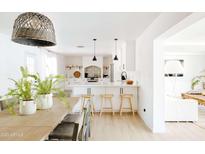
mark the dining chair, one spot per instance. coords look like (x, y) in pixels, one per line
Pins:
(73, 127)
(1, 105)
(67, 130)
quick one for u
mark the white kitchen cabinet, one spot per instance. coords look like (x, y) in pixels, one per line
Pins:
(108, 88)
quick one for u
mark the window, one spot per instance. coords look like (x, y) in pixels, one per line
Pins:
(30, 63)
(51, 65)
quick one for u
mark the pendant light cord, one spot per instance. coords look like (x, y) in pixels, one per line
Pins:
(115, 46)
(94, 46)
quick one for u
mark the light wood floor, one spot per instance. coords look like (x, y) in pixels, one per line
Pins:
(131, 128)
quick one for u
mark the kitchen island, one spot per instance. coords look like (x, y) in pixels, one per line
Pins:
(99, 88)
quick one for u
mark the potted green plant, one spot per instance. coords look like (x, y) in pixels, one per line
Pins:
(195, 81)
(24, 93)
(199, 80)
(45, 89)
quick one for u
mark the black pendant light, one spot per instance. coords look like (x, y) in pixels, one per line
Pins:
(94, 58)
(115, 58)
(33, 29)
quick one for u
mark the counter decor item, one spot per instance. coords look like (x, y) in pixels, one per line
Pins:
(74, 67)
(45, 89)
(129, 82)
(69, 67)
(23, 92)
(33, 29)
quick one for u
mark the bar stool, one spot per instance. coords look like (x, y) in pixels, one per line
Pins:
(105, 97)
(129, 97)
(88, 98)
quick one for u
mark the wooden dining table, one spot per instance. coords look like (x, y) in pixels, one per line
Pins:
(35, 127)
(199, 97)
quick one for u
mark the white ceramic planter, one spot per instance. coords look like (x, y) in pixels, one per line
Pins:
(27, 107)
(44, 101)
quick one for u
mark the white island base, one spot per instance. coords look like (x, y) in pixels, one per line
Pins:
(98, 89)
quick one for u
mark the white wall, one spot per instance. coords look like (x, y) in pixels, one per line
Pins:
(107, 60)
(146, 61)
(130, 55)
(13, 55)
(120, 64)
(61, 63)
(74, 60)
(87, 61)
(193, 64)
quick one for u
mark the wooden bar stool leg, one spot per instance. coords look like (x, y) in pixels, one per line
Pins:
(130, 100)
(93, 106)
(133, 111)
(112, 106)
(92, 112)
(92, 109)
(102, 102)
(121, 99)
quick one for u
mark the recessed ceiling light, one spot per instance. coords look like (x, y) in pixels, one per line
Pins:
(80, 46)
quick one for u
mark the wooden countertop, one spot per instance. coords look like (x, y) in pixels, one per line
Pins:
(36, 126)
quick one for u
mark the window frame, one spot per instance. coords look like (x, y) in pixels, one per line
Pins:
(33, 56)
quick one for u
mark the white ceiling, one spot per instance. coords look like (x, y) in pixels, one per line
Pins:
(190, 40)
(193, 34)
(74, 29)
(184, 49)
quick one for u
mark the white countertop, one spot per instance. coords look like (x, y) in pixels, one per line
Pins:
(101, 84)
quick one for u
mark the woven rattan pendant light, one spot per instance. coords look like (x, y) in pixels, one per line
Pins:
(33, 29)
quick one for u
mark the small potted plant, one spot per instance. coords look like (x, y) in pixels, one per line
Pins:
(45, 89)
(199, 80)
(195, 81)
(23, 92)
